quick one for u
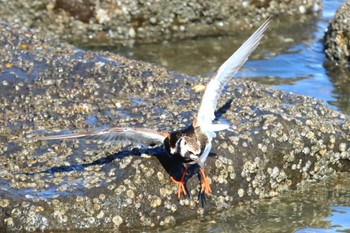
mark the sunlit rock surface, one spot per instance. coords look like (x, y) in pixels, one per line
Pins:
(278, 142)
(337, 36)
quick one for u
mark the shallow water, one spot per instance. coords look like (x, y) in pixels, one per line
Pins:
(290, 59)
(319, 208)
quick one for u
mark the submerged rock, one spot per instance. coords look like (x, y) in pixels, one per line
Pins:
(279, 140)
(337, 36)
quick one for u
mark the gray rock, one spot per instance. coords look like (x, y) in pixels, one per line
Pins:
(337, 36)
(280, 140)
(146, 21)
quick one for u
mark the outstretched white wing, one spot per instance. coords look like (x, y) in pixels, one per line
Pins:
(227, 70)
(143, 137)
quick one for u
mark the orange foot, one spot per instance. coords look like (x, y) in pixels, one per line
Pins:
(180, 184)
(205, 183)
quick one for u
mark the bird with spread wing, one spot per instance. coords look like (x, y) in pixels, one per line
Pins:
(191, 145)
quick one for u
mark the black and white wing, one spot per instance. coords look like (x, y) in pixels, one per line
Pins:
(227, 70)
(143, 137)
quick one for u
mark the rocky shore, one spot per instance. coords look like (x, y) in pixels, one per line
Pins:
(280, 140)
(146, 21)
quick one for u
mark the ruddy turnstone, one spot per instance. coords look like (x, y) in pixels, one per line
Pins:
(192, 144)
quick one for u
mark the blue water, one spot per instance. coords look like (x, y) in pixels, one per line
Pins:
(339, 221)
(303, 63)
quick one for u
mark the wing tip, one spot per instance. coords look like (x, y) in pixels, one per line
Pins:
(244, 51)
(55, 137)
(43, 138)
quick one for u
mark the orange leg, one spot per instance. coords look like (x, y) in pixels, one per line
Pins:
(180, 184)
(205, 183)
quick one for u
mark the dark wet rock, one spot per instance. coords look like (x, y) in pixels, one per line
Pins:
(280, 141)
(151, 20)
(337, 36)
(82, 10)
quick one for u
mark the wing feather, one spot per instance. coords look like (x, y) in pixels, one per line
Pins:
(143, 137)
(227, 70)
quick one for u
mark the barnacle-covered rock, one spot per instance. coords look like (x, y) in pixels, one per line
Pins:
(279, 140)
